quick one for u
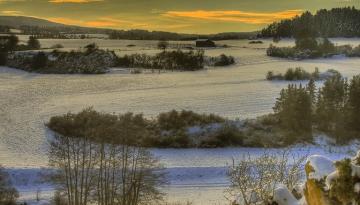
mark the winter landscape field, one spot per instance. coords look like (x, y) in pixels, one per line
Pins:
(240, 91)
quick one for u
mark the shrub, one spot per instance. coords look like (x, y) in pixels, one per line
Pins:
(341, 188)
(223, 60)
(172, 60)
(33, 43)
(256, 42)
(57, 46)
(294, 74)
(227, 135)
(91, 48)
(175, 120)
(3, 58)
(39, 61)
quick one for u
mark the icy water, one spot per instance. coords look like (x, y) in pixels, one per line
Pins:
(27, 101)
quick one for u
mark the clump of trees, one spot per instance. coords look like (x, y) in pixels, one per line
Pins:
(307, 47)
(311, 33)
(173, 60)
(294, 74)
(293, 109)
(256, 42)
(168, 129)
(175, 120)
(167, 60)
(336, 22)
(33, 43)
(333, 109)
(222, 60)
(9, 44)
(98, 158)
(8, 194)
(90, 60)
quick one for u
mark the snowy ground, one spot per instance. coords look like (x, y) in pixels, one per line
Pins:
(27, 101)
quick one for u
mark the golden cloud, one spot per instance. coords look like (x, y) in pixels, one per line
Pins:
(110, 22)
(12, 12)
(100, 22)
(235, 16)
(73, 1)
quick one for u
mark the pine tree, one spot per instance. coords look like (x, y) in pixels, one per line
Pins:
(33, 43)
(354, 104)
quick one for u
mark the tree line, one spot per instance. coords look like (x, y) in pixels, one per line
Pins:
(336, 22)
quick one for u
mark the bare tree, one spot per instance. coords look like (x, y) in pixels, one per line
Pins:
(8, 194)
(254, 179)
(97, 160)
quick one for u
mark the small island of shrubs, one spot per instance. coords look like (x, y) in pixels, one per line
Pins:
(93, 60)
(299, 73)
(256, 42)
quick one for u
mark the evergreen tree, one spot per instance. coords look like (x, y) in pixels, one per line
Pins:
(354, 104)
(293, 110)
(39, 61)
(33, 43)
(330, 109)
(12, 43)
(311, 88)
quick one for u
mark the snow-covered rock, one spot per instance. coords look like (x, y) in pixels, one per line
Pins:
(321, 167)
(355, 170)
(357, 188)
(330, 178)
(282, 196)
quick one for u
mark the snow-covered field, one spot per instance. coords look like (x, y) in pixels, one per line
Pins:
(27, 101)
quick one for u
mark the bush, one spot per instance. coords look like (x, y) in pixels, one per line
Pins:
(57, 46)
(227, 135)
(39, 61)
(172, 60)
(294, 74)
(175, 120)
(341, 188)
(33, 43)
(223, 60)
(305, 48)
(256, 42)
(3, 58)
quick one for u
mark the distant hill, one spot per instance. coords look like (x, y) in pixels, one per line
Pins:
(46, 29)
(18, 21)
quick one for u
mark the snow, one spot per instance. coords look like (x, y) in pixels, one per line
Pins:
(355, 170)
(282, 196)
(330, 178)
(357, 188)
(321, 165)
(28, 100)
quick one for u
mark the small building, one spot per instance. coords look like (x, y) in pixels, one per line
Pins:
(205, 43)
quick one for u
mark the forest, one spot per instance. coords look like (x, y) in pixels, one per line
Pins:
(336, 22)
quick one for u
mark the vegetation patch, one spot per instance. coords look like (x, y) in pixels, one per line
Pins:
(173, 60)
(299, 73)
